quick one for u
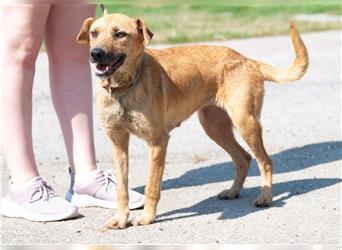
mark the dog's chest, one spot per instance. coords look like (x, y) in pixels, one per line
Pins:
(118, 112)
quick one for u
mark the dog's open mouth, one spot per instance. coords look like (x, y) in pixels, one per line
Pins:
(107, 69)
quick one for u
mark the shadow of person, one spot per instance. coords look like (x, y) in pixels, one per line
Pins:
(243, 206)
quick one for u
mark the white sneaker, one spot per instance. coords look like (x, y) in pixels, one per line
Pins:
(99, 190)
(36, 201)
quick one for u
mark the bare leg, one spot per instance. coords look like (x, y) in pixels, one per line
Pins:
(218, 127)
(70, 80)
(20, 52)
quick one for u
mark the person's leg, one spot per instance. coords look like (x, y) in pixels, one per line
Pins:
(70, 81)
(28, 196)
(22, 34)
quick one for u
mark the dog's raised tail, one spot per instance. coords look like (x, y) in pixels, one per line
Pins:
(291, 73)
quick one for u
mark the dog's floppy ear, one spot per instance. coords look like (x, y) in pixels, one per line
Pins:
(144, 31)
(83, 35)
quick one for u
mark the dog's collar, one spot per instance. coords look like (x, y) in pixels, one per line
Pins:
(135, 81)
(138, 74)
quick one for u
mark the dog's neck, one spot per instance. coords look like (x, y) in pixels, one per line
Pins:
(121, 82)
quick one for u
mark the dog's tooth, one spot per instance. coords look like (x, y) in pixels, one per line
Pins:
(99, 71)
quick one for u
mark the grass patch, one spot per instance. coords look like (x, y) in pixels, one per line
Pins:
(174, 23)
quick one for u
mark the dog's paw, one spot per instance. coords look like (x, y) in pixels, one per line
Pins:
(263, 201)
(229, 194)
(117, 222)
(144, 219)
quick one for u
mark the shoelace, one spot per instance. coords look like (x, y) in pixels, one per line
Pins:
(109, 179)
(44, 192)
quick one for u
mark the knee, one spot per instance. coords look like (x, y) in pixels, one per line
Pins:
(23, 53)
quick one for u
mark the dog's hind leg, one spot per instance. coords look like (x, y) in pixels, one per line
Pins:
(250, 130)
(244, 110)
(218, 126)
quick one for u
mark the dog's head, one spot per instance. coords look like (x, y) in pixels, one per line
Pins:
(116, 42)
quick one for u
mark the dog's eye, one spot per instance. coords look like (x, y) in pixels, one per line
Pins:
(120, 34)
(94, 33)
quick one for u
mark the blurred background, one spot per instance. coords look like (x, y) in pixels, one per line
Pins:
(215, 20)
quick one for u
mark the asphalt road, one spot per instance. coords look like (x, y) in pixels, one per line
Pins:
(302, 134)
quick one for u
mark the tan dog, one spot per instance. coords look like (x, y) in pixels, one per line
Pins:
(149, 92)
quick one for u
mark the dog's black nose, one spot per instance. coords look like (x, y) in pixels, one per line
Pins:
(97, 54)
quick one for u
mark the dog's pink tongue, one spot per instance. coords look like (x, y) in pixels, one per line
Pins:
(102, 67)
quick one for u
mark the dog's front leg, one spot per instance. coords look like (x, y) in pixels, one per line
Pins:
(120, 140)
(157, 155)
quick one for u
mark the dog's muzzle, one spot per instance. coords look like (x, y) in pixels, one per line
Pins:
(106, 63)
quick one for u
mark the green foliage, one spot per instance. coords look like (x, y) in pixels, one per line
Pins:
(219, 20)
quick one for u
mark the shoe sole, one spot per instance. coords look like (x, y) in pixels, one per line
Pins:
(83, 200)
(14, 210)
